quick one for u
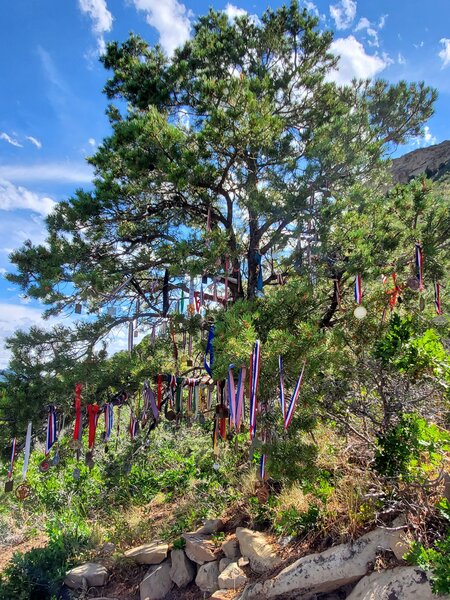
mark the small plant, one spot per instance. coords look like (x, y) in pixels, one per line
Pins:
(179, 543)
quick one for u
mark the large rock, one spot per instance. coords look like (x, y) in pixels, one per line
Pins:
(326, 571)
(157, 582)
(434, 161)
(402, 583)
(257, 548)
(199, 548)
(182, 571)
(210, 526)
(231, 548)
(232, 577)
(207, 577)
(223, 564)
(94, 574)
(220, 595)
(149, 554)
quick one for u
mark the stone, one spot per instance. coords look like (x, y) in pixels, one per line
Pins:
(231, 548)
(257, 548)
(210, 526)
(94, 574)
(108, 548)
(157, 582)
(149, 554)
(324, 572)
(401, 583)
(207, 577)
(199, 548)
(220, 595)
(232, 577)
(183, 570)
(243, 561)
(223, 564)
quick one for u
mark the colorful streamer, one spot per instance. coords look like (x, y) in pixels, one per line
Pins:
(255, 366)
(209, 351)
(358, 289)
(27, 451)
(419, 265)
(52, 436)
(293, 401)
(437, 297)
(12, 459)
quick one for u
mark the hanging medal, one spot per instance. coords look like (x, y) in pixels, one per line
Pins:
(360, 312)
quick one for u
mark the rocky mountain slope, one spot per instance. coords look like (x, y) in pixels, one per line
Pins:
(434, 161)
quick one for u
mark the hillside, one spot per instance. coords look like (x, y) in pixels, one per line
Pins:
(434, 161)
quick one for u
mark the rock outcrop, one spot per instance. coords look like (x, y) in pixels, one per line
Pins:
(402, 583)
(91, 574)
(183, 570)
(199, 548)
(157, 582)
(207, 577)
(149, 554)
(256, 547)
(434, 161)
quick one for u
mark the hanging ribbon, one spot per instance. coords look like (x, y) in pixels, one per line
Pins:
(149, 398)
(77, 427)
(293, 401)
(236, 396)
(394, 292)
(159, 392)
(282, 397)
(358, 289)
(130, 337)
(133, 426)
(182, 302)
(165, 290)
(51, 437)
(262, 466)
(27, 451)
(12, 459)
(419, 265)
(437, 297)
(259, 281)
(109, 420)
(209, 352)
(197, 302)
(172, 391)
(92, 411)
(255, 365)
(231, 394)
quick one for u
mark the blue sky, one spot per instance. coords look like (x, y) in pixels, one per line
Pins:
(52, 109)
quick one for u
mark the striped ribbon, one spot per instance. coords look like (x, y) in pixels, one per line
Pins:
(92, 411)
(262, 466)
(282, 398)
(255, 365)
(172, 391)
(236, 396)
(52, 436)
(109, 420)
(419, 265)
(358, 289)
(13, 457)
(209, 351)
(149, 398)
(437, 297)
(231, 394)
(27, 451)
(293, 401)
(133, 426)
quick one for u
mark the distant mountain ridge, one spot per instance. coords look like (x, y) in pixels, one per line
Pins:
(434, 161)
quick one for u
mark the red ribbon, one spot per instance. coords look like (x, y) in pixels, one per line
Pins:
(394, 292)
(92, 411)
(159, 396)
(77, 428)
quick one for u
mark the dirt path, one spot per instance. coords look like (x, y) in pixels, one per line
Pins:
(6, 552)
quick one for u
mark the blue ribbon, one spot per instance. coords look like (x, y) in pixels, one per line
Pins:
(209, 351)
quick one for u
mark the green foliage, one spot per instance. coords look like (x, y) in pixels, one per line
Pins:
(411, 449)
(296, 523)
(435, 560)
(38, 574)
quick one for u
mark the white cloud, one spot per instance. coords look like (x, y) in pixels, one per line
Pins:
(14, 197)
(312, 8)
(363, 23)
(102, 19)
(427, 139)
(34, 141)
(444, 54)
(56, 172)
(233, 12)
(401, 59)
(354, 61)
(382, 21)
(12, 318)
(91, 142)
(10, 140)
(343, 13)
(170, 18)
(420, 44)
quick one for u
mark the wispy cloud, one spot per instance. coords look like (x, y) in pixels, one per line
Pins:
(170, 18)
(354, 61)
(233, 12)
(55, 172)
(444, 54)
(10, 140)
(13, 197)
(102, 19)
(91, 142)
(426, 139)
(311, 7)
(343, 13)
(34, 141)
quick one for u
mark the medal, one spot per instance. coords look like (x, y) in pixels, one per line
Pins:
(76, 474)
(89, 460)
(422, 304)
(9, 486)
(23, 491)
(413, 283)
(360, 312)
(44, 466)
(440, 320)
(56, 459)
